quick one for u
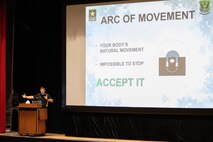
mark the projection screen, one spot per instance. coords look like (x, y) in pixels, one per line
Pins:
(140, 54)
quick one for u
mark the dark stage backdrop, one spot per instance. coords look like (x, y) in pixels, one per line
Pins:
(38, 60)
(37, 53)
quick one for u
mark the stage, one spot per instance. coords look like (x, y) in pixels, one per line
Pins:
(51, 137)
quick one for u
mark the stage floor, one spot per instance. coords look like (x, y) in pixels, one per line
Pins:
(62, 137)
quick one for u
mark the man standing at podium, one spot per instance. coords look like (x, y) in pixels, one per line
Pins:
(44, 97)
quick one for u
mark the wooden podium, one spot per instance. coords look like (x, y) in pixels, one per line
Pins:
(32, 119)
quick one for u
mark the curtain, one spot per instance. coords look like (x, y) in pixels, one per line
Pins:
(2, 65)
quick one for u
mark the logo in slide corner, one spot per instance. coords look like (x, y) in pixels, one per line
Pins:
(92, 15)
(205, 6)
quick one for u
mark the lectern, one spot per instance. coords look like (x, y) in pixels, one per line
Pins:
(32, 119)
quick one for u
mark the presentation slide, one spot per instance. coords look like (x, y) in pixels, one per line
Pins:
(143, 54)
